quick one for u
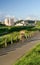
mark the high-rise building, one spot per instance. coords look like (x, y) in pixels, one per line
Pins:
(9, 21)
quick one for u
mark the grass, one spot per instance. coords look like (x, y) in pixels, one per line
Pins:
(13, 31)
(9, 29)
(8, 37)
(14, 35)
(32, 58)
(5, 29)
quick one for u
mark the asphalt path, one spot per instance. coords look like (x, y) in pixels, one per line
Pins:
(9, 55)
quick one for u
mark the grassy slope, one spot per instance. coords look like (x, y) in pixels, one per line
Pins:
(14, 35)
(12, 32)
(32, 58)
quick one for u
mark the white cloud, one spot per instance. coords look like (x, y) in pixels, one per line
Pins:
(32, 18)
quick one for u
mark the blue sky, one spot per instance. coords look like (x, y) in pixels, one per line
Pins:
(20, 8)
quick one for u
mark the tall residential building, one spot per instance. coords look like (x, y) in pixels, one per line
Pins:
(9, 21)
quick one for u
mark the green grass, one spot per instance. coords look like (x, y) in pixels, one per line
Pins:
(6, 29)
(13, 31)
(8, 37)
(32, 58)
(14, 35)
(9, 29)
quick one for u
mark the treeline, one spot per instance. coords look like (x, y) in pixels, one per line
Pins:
(5, 30)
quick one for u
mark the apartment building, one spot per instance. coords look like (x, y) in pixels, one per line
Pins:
(9, 21)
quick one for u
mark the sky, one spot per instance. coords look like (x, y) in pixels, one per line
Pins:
(20, 8)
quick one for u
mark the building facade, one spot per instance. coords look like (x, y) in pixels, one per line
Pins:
(9, 21)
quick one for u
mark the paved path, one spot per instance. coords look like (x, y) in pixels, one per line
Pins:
(9, 55)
